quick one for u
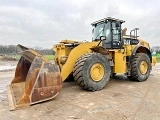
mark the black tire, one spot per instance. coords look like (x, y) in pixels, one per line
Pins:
(136, 73)
(82, 69)
(113, 75)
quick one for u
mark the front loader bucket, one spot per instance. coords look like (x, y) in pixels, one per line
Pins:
(35, 80)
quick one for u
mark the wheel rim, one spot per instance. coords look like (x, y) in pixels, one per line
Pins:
(97, 72)
(143, 67)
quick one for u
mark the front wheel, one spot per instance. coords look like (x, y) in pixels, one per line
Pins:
(140, 67)
(92, 71)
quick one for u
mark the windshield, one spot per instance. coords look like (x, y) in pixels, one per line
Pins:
(101, 29)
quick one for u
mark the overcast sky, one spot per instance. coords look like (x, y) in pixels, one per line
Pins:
(45, 22)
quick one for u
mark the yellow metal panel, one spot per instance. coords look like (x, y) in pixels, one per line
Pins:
(119, 61)
(128, 50)
(143, 43)
(71, 41)
(133, 46)
(154, 61)
(61, 51)
(81, 49)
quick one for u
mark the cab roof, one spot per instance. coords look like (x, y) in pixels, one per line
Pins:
(107, 19)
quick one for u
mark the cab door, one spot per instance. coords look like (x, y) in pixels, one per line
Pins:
(116, 35)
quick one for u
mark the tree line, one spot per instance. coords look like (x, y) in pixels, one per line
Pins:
(13, 50)
(156, 49)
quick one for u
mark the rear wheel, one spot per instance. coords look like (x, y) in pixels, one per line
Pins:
(140, 67)
(92, 71)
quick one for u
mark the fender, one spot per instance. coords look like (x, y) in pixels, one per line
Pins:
(143, 50)
(73, 56)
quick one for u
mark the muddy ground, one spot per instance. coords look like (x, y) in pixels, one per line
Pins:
(121, 99)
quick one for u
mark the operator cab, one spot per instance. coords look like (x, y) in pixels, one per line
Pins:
(110, 30)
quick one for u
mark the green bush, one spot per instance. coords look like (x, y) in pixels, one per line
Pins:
(49, 57)
(158, 59)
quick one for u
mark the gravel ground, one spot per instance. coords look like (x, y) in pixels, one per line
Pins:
(8, 65)
(121, 99)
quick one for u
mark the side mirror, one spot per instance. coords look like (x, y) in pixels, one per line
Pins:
(102, 38)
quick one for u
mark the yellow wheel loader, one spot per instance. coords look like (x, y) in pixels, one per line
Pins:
(90, 63)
